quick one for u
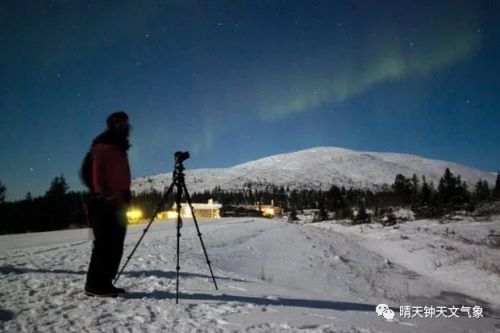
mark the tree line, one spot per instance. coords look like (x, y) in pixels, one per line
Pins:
(418, 194)
(57, 209)
(60, 208)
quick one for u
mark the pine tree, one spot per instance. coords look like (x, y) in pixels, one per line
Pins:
(462, 194)
(482, 190)
(56, 209)
(58, 187)
(403, 189)
(362, 216)
(293, 200)
(425, 194)
(452, 190)
(496, 191)
(447, 186)
(415, 189)
(415, 183)
(293, 214)
(250, 199)
(28, 197)
(334, 199)
(3, 190)
(322, 214)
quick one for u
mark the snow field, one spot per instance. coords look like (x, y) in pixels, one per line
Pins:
(272, 277)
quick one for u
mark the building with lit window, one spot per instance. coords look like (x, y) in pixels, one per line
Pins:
(201, 210)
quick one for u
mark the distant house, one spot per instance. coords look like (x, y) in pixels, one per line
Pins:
(207, 210)
(253, 210)
(239, 211)
(267, 210)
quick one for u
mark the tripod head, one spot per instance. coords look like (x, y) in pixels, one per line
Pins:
(180, 156)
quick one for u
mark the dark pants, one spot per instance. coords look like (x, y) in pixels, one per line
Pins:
(109, 225)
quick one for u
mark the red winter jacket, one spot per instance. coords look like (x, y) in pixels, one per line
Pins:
(110, 171)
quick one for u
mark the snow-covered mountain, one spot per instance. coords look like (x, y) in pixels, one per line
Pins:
(318, 168)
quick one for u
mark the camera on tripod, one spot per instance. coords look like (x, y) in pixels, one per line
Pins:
(181, 156)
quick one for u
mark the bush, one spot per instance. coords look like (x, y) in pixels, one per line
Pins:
(361, 216)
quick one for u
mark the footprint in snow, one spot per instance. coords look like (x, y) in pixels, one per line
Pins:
(341, 259)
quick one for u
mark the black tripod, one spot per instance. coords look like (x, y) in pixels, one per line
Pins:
(180, 185)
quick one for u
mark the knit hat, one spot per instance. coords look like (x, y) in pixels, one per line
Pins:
(119, 115)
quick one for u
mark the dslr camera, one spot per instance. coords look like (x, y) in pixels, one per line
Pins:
(181, 156)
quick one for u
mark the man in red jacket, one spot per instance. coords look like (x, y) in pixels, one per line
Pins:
(107, 209)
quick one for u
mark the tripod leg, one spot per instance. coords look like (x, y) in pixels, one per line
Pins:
(179, 225)
(199, 234)
(157, 210)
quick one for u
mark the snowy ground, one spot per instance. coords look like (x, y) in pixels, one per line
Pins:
(272, 276)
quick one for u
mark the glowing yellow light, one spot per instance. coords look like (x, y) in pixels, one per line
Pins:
(134, 215)
(269, 212)
(201, 210)
(171, 214)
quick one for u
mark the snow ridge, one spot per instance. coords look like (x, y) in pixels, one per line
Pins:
(318, 167)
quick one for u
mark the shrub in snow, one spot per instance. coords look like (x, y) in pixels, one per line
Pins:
(391, 216)
(321, 214)
(361, 215)
(293, 215)
(428, 212)
(388, 220)
(487, 209)
(343, 214)
(403, 214)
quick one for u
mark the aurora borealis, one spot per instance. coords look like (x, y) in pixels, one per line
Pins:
(232, 81)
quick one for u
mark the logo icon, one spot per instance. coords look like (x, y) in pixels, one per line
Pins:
(388, 314)
(383, 310)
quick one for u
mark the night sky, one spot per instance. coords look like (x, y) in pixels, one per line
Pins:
(233, 81)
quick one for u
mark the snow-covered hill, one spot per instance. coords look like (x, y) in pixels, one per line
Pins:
(318, 168)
